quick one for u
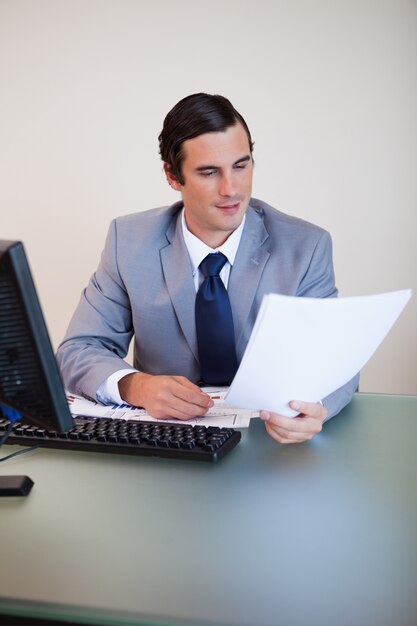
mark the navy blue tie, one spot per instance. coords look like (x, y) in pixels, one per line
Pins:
(214, 324)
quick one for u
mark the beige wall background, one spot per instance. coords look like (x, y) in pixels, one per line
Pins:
(328, 88)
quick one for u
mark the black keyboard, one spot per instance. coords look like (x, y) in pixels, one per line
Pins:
(117, 436)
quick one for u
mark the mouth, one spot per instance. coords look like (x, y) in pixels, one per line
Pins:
(230, 207)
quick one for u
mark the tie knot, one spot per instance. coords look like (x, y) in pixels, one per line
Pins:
(212, 264)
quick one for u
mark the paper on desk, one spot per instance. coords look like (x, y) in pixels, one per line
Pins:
(221, 414)
(306, 348)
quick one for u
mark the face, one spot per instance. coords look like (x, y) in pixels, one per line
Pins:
(217, 171)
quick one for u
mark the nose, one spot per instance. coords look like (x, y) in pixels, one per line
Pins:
(226, 186)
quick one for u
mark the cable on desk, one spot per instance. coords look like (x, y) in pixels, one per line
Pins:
(6, 433)
(15, 418)
(10, 456)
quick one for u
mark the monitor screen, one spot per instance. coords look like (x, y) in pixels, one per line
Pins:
(30, 382)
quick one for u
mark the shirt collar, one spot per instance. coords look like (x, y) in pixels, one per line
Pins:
(198, 250)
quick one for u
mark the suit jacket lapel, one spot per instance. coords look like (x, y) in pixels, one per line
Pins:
(246, 273)
(177, 270)
(251, 258)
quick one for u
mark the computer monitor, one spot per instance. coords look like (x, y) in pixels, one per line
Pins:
(30, 383)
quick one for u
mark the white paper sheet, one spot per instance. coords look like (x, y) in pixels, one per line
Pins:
(306, 348)
(221, 414)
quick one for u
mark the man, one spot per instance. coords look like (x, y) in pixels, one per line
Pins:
(154, 264)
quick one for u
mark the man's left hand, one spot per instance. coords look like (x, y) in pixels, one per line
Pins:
(308, 423)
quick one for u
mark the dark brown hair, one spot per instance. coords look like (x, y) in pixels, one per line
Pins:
(193, 116)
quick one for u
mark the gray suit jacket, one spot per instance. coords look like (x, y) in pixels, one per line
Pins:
(144, 288)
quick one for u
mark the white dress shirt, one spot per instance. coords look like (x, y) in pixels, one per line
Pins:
(108, 391)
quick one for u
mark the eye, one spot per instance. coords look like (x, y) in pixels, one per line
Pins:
(208, 173)
(241, 165)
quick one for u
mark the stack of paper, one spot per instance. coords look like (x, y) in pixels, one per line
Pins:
(306, 348)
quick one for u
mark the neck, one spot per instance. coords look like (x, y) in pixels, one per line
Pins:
(212, 238)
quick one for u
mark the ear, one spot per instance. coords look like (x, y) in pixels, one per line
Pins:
(172, 180)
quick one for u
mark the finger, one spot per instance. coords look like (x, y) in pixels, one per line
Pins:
(313, 414)
(174, 400)
(283, 423)
(191, 393)
(311, 409)
(173, 413)
(283, 436)
(291, 430)
(177, 409)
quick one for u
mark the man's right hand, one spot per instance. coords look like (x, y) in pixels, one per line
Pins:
(164, 396)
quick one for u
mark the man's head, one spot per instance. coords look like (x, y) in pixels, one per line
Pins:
(192, 116)
(207, 152)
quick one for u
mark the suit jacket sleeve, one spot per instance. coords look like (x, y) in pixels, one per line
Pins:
(99, 333)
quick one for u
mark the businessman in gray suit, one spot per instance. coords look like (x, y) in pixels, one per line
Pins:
(146, 283)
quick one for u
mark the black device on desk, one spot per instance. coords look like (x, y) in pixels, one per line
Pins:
(31, 391)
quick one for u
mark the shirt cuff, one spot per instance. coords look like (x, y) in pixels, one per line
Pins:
(108, 392)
